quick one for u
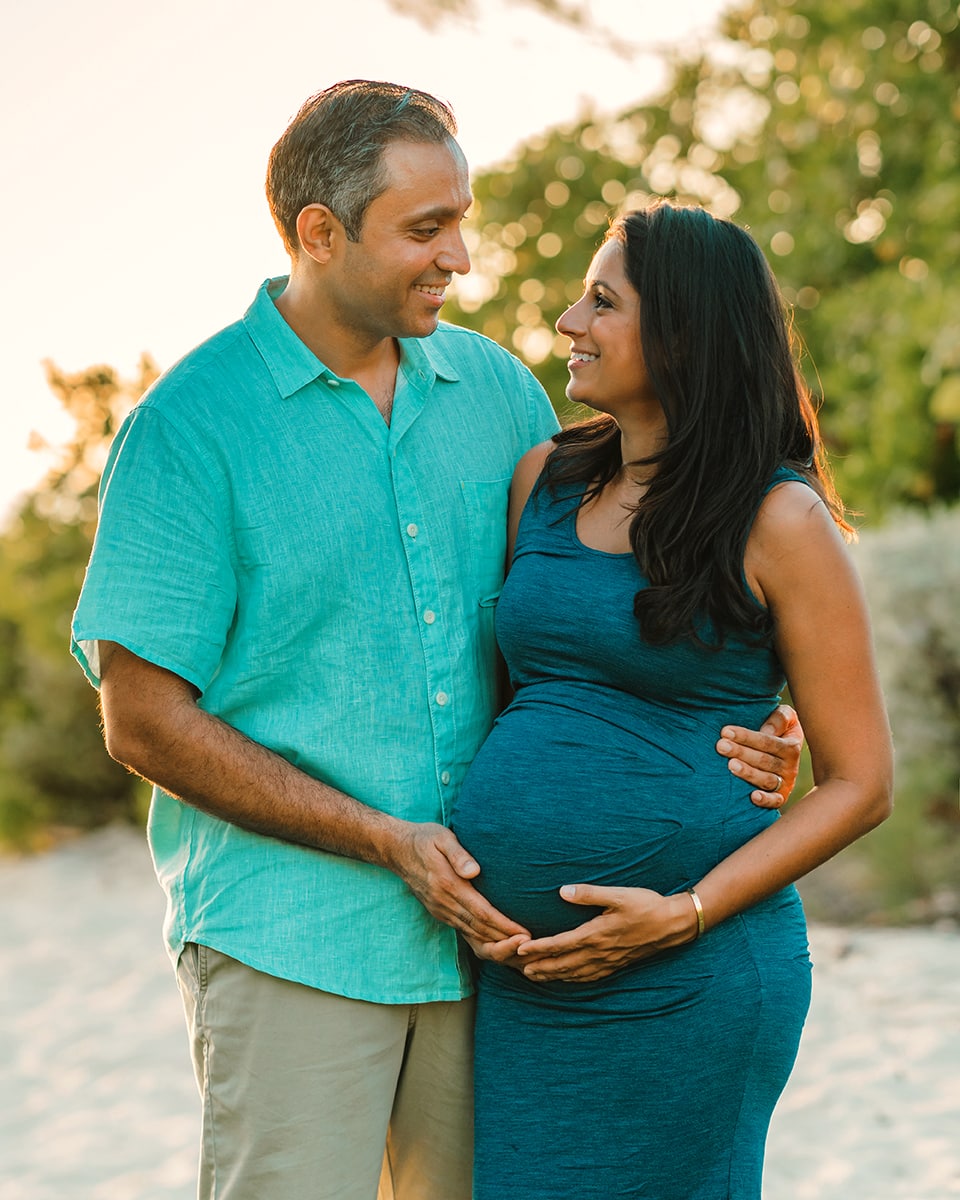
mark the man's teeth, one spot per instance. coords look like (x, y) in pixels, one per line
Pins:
(433, 291)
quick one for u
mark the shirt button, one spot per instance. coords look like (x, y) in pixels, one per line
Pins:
(445, 777)
(412, 530)
(441, 698)
(334, 383)
(429, 616)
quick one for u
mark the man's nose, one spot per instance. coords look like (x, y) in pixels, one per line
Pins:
(453, 256)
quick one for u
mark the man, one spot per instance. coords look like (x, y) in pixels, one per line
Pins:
(289, 613)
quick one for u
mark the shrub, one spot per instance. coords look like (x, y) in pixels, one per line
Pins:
(909, 868)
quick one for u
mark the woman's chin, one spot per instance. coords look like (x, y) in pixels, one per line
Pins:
(576, 395)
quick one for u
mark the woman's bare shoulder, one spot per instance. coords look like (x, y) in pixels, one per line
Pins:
(527, 471)
(791, 508)
(794, 536)
(532, 462)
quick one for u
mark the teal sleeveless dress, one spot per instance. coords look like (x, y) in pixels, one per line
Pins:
(659, 1081)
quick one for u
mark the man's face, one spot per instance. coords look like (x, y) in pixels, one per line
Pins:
(391, 283)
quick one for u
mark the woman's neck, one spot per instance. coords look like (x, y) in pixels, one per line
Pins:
(639, 441)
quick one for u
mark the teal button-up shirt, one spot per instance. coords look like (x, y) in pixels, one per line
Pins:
(327, 583)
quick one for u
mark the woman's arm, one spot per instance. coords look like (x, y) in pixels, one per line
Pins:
(797, 564)
(525, 475)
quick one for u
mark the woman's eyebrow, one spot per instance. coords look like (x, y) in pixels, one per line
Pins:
(600, 283)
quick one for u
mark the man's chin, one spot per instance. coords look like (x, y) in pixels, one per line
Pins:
(422, 327)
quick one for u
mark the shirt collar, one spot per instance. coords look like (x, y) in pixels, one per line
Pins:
(293, 365)
(428, 359)
(289, 361)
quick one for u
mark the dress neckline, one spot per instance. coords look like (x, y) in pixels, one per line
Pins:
(578, 540)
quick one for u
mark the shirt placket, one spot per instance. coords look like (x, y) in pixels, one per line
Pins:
(420, 547)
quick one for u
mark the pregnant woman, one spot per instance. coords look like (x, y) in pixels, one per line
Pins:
(677, 558)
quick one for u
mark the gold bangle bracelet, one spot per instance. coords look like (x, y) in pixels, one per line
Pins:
(691, 892)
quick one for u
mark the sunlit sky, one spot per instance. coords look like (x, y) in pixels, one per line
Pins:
(135, 135)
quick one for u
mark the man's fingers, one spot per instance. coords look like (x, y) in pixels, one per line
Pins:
(758, 769)
(768, 799)
(504, 952)
(752, 752)
(438, 870)
(465, 865)
(779, 720)
(477, 918)
(768, 759)
(764, 751)
(783, 722)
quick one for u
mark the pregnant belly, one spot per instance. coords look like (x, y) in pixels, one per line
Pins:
(568, 800)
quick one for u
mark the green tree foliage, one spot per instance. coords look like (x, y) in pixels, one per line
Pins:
(830, 129)
(53, 767)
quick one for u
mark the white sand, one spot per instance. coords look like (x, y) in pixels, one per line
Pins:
(97, 1099)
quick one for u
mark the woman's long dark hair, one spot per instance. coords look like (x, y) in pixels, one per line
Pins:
(718, 348)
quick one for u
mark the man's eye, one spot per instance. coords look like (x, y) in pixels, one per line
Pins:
(431, 231)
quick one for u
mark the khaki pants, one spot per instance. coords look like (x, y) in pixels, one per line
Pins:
(310, 1096)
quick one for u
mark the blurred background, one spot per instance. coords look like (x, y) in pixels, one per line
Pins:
(135, 139)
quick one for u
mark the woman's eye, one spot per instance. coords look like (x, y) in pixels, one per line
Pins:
(600, 301)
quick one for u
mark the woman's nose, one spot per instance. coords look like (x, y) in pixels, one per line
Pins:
(567, 323)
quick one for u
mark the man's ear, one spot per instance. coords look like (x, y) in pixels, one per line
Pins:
(319, 232)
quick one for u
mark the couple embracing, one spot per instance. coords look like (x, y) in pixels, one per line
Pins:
(292, 612)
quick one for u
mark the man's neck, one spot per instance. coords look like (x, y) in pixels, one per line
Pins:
(371, 364)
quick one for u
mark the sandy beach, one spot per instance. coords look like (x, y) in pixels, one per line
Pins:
(97, 1099)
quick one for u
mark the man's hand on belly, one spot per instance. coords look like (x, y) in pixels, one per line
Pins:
(438, 870)
(503, 952)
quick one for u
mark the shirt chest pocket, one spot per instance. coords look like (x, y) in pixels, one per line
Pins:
(485, 516)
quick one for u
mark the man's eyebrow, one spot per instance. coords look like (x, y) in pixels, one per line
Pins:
(439, 213)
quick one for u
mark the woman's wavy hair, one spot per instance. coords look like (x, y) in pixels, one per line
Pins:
(718, 346)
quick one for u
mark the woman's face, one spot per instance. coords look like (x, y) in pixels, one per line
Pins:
(606, 365)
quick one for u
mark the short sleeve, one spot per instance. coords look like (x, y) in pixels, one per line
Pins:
(160, 580)
(543, 423)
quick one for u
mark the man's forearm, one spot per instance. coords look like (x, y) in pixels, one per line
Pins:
(207, 763)
(153, 726)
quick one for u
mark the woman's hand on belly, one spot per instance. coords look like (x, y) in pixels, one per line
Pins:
(635, 924)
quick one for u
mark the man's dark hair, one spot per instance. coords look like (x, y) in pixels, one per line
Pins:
(332, 151)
